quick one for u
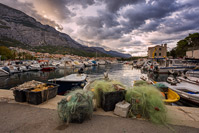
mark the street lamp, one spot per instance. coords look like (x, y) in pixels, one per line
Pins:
(189, 43)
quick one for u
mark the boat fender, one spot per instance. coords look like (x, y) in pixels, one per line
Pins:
(171, 71)
(179, 80)
(82, 84)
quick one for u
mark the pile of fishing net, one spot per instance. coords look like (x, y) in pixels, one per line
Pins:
(147, 102)
(161, 87)
(104, 86)
(76, 106)
(140, 83)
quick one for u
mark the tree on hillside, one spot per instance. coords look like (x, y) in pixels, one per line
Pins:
(5, 53)
(190, 42)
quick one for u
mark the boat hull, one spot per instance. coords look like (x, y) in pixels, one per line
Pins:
(67, 86)
(2, 73)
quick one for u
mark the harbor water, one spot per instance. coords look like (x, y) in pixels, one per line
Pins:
(126, 74)
(123, 73)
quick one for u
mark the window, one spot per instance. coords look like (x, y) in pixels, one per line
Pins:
(159, 54)
(155, 54)
(160, 49)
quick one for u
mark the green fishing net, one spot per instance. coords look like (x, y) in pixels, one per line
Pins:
(76, 106)
(140, 82)
(161, 87)
(147, 102)
(106, 86)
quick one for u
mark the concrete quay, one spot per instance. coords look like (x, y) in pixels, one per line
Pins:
(181, 119)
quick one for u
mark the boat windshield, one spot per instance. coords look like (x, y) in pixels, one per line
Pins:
(177, 61)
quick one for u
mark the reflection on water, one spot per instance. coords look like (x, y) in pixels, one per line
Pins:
(123, 73)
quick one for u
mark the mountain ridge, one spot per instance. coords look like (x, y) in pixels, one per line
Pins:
(17, 28)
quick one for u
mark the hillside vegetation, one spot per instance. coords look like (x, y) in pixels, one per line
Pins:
(190, 42)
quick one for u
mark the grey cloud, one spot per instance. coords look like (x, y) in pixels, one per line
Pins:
(127, 39)
(90, 21)
(28, 8)
(137, 15)
(186, 20)
(104, 19)
(114, 5)
(106, 26)
(151, 26)
(89, 43)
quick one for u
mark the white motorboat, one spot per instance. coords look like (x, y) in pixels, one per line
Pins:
(4, 71)
(193, 73)
(23, 68)
(69, 82)
(77, 64)
(88, 63)
(14, 69)
(188, 92)
(171, 66)
(35, 67)
(101, 62)
(189, 79)
(65, 64)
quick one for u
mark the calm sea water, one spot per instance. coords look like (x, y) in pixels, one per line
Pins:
(123, 73)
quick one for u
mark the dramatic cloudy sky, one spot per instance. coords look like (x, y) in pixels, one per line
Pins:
(128, 26)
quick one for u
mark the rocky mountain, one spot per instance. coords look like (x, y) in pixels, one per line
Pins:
(112, 53)
(19, 29)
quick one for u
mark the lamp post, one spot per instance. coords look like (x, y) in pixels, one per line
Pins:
(189, 42)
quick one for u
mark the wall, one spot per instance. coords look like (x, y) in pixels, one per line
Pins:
(161, 51)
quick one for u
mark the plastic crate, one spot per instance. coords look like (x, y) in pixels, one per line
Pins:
(110, 99)
(41, 96)
(20, 95)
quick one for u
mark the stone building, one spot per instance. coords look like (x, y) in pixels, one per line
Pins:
(194, 54)
(160, 51)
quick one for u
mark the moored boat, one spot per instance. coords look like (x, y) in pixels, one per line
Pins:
(4, 71)
(47, 68)
(188, 92)
(69, 82)
(170, 95)
(172, 66)
(189, 79)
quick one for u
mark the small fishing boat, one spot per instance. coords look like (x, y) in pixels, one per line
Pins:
(47, 68)
(35, 67)
(173, 66)
(69, 82)
(170, 95)
(88, 63)
(94, 63)
(101, 62)
(189, 79)
(193, 73)
(188, 92)
(4, 71)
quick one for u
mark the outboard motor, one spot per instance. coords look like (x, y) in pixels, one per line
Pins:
(171, 81)
(81, 70)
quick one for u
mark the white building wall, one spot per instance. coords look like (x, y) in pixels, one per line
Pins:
(196, 54)
(189, 54)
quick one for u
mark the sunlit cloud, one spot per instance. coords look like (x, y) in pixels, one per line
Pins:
(129, 26)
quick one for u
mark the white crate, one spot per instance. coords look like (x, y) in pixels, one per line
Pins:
(122, 108)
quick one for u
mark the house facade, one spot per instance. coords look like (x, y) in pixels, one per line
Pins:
(194, 54)
(159, 51)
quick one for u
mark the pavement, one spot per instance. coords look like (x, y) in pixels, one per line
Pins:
(23, 117)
